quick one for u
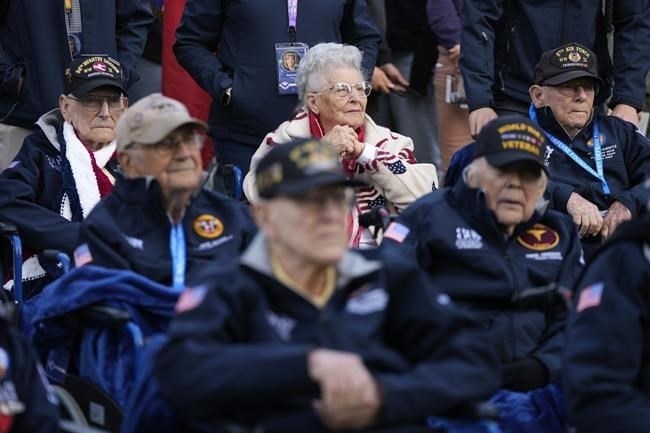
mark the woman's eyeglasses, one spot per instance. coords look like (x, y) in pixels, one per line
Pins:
(344, 90)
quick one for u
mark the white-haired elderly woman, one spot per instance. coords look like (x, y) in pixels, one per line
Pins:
(333, 97)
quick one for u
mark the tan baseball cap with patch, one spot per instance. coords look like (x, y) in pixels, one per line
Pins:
(151, 119)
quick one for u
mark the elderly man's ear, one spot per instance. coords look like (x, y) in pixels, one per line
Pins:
(64, 106)
(536, 95)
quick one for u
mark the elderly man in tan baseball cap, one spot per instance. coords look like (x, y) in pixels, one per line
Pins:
(160, 221)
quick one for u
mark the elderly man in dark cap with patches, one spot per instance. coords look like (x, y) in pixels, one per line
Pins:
(309, 336)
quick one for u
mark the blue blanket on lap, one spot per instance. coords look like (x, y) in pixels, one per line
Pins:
(105, 356)
(539, 411)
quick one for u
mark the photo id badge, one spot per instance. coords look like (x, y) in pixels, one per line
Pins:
(288, 57)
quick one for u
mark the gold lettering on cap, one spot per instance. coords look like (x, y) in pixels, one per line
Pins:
(272, 175)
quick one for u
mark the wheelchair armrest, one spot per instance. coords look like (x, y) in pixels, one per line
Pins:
(105, 316)
(56, 256)
(7, 229)
(71, 427)
(480, 410)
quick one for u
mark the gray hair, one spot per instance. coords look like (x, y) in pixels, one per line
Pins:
(320, 59)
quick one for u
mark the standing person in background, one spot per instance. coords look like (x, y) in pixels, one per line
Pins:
(503, 40)
(403, 98)
(150, 64)
(444, 20)
(37, 42)
(252, 94)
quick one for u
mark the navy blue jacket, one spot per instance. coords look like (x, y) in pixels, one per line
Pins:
(607, 357)
(241, 355)
(498, 60)
(31, 190)
(34, 46)
(23, 383)
(246, 33)
(456, 239)
(130, 229)
(626, 164)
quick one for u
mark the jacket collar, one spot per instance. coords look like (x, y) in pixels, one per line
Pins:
(352, 265)
(49, 123)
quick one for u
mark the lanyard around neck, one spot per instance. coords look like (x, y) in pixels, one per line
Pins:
(292, 13)
(177, 248)
(598, 154)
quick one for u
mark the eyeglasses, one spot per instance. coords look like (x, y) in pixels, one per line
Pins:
(344, 90)
(573, 88)
(172, 143)
(341, 198)
(94, 103)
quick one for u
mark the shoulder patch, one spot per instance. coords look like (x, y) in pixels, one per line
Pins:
(190, 298)
(397, 232)
(539, 238)
(208, 226)
(590, 296)
(4, 363)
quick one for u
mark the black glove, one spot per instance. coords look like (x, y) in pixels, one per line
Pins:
(524, 374)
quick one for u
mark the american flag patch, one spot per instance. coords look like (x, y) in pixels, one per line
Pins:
(396, 232)
(82, 255)
(590, 297)
(190, 299)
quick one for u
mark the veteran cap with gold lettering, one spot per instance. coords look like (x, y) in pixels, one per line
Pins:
(510, 139)
(565, 63)
(299, 166)
(89, 72)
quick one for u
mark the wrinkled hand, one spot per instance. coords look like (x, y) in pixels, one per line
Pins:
(585, 215)
(350, 397)
(626, 112)
(478, 118)
(395, 76)
(454, 53)
(380, 81)
(345, 141)
(616, 214)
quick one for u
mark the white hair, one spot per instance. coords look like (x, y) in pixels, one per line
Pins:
(320, 59)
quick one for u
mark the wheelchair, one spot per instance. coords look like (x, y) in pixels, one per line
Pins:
(85, 406)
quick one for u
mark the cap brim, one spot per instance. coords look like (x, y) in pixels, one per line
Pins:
(166, 124)
(303, 186)
(93, 84)
(570, 75)
(502, 159)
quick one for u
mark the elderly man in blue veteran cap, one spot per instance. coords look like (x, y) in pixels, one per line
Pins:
(64, 169)
(489, 239)
(308, 336)
(597, 164)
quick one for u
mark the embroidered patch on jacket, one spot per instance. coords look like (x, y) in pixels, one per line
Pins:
(368, 302)
(601, 137)
(4, 363)
(282, 325)
(539, 238)
(468, 239)
(82, 255)
(208, 226)
(397, 232)
(590, 296)
(190, 298)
